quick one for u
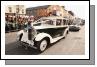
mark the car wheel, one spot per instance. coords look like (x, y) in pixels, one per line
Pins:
(41, 45)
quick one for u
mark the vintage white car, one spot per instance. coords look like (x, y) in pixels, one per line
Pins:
(44, 31)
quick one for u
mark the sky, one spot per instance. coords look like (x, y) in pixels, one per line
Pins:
(78, 10)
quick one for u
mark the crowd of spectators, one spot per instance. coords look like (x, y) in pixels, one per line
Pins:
(15, 23)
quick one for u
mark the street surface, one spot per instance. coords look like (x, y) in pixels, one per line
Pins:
(73, 44)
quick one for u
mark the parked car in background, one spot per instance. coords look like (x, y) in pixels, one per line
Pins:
(43, 32)
(82, 22)
(74, 28)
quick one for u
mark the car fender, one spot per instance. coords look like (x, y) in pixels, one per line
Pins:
(67, 29)
(20, 32)
(40, 36)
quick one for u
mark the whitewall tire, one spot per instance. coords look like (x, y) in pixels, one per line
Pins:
(42, 45)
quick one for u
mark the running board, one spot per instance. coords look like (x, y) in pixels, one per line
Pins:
(56, 39)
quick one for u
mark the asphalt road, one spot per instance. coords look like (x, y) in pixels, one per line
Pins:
(73, 44)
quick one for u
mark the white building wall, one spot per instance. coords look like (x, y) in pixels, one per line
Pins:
(13, 7)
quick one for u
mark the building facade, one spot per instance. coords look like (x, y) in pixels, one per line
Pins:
(13, 9)
(47, 10)
(13, 12)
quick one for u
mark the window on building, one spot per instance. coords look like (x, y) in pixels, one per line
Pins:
(17, 10)
(54, 13)
(10, 9)
(22, 11)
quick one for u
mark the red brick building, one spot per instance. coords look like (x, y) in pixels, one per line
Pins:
(46, 10)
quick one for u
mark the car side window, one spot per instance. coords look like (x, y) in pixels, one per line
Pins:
(65, 22)
(50, 22)
(58, 22)
(37, 24)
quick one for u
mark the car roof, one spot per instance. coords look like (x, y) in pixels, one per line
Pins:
(54, 17)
